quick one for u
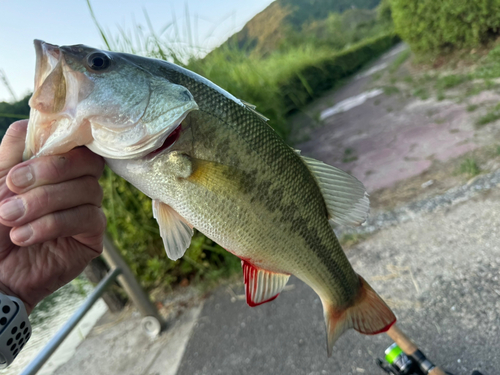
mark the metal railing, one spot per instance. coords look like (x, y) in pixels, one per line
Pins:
(152, 322)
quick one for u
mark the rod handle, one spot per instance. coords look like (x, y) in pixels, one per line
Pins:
(409, 348)
(436, 371)
(402, 340)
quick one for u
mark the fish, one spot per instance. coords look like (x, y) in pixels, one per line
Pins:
(209, 161)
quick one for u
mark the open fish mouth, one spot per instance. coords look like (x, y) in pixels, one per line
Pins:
(118, 112)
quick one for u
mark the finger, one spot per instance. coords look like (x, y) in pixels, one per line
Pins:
(54, 169)
(86, 222)
(12, 147)
(38, 202)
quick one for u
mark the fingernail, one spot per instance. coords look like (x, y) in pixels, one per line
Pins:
(22, 234)
(12, 209)
(22, 177)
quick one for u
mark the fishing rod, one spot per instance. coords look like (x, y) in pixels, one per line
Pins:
(405, 358)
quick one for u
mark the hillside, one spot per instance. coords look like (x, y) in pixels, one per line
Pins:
(270, 28)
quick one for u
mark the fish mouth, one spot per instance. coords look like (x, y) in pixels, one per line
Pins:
(66, 112)
(52, 128)
(168, 142)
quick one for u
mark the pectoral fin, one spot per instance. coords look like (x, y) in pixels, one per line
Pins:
(262, 286)
(345, 196)
(174, 229)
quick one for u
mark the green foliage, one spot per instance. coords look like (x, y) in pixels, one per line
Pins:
(490, 68)
(384, 12)
(305, 11)
(350, 239)
(10, 112)
(337, 31)
(421, 93)
(349, 155)
(389, 90)
(472, 107)
(292, 23)
(450, 81)
(436, 26)
(309, 81)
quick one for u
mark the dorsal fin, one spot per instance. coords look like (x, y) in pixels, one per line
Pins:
(252, 107)
(262, 286)
(345, 196)
(174, 230)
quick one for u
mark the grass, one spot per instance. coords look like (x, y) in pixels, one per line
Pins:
(469, 167)
(421, 93)
(450, 81)
(350, 239)
(349, 155)
(390, 90)
(491, 116)
(472, 107)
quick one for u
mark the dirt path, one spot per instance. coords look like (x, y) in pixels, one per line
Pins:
(382, 134)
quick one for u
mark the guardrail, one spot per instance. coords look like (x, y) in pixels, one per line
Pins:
(152, 323)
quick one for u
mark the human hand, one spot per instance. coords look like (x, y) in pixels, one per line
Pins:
(51, 221)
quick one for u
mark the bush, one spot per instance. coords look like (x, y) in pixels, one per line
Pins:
(434, 26)
(10, 112)
(312, 80)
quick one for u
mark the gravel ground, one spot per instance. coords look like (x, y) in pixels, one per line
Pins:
(473, 188)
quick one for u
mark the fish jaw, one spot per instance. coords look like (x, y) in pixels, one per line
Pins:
(53, 126)
(122, 113)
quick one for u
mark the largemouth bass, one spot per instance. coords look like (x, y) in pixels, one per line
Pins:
(209, 161)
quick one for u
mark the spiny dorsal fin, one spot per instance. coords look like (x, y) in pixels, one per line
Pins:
(345, 196)
(174, 230)
(252, 107)
(262, 286)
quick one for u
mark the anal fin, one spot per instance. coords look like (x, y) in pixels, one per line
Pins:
(262, 286)
(368, 315)
(174, 229)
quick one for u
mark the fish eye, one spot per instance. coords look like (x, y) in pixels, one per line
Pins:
(98, 61)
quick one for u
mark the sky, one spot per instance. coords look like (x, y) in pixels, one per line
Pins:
(66, 22)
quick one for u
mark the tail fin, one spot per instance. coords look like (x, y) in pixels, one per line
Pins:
(368, 314)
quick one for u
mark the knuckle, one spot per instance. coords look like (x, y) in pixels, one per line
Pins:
(92, 190)
(41, 198)
(103, 221)
(52, 224)
(99, 193)
(96, 218)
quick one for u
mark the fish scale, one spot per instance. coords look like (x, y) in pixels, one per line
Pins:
(210, 161)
